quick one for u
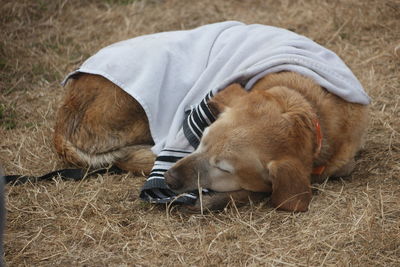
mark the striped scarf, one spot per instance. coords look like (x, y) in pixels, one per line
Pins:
(155, 190)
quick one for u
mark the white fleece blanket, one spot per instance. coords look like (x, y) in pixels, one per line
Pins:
(170, 73)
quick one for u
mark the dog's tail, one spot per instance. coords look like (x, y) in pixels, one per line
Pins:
(72, 154)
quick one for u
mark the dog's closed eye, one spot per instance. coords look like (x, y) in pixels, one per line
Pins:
(224, 166)
(223, 170)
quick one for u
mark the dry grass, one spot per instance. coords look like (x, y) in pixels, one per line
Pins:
(100, 221)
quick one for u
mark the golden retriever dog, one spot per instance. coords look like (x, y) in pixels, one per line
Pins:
(286, 133)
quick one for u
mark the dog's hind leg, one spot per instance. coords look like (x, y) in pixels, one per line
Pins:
(138, 159)
(99, 124)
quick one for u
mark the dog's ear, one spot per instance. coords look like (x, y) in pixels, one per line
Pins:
(225, 98)
(291, 189)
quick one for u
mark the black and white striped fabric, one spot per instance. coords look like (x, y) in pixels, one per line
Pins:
(155, 189)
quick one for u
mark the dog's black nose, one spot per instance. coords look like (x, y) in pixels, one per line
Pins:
(172, 180)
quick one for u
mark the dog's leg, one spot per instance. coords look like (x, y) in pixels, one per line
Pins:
(342, 163)
(138, 159)
(219, 200)
(346, 169)
(99, 125)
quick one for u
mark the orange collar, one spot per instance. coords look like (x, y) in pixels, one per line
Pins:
(318, 134)
(319, 169)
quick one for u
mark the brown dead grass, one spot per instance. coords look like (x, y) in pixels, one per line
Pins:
(96, 222)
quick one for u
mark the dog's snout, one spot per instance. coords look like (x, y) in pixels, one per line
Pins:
(172, 180)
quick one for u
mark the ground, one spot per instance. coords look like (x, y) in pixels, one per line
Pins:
(101, 222)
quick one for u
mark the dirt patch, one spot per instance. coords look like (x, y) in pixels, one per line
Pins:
(100, 221)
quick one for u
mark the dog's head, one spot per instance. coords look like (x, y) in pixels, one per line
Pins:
(262, 141)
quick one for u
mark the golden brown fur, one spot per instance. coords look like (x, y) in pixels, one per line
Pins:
(99, 124)
(263, 141)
